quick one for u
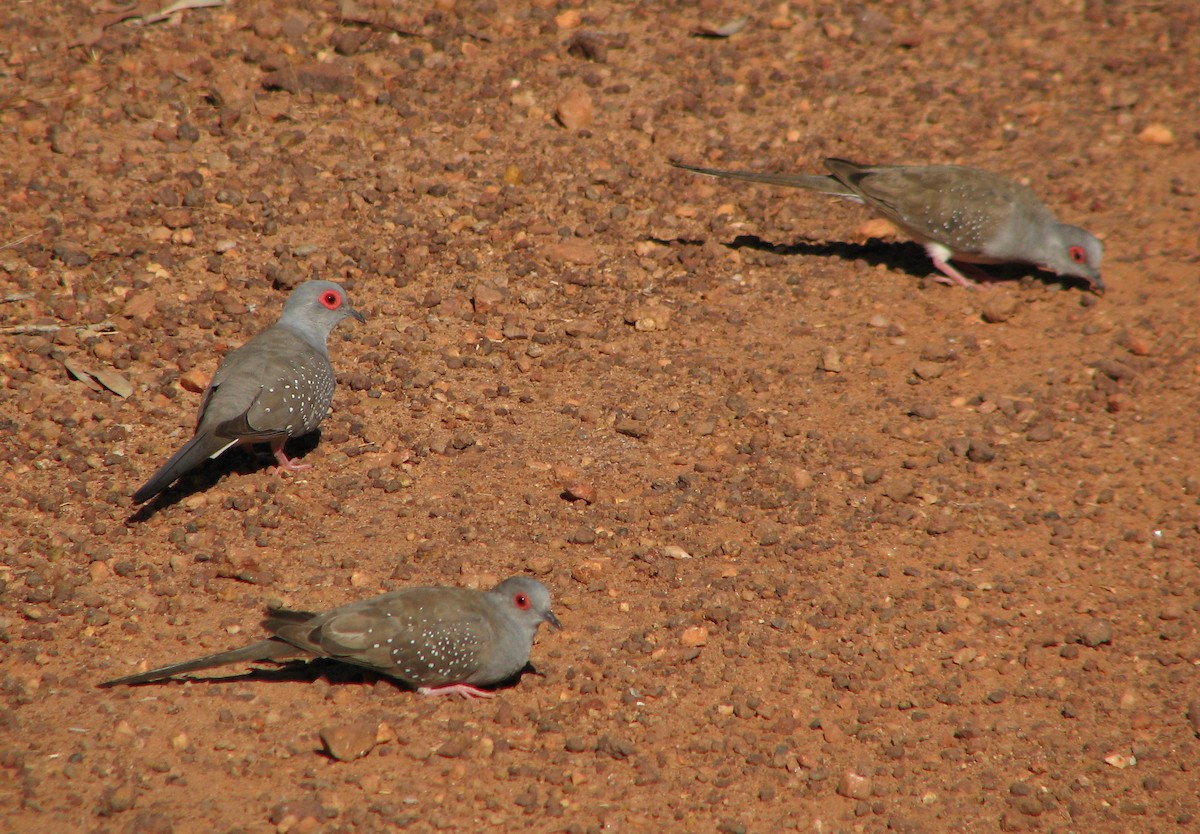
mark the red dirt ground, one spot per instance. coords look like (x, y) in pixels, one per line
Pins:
(860, 558)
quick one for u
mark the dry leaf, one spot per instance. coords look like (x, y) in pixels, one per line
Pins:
(114, 382)
(181, 5)
(81, 374)
(724, 31)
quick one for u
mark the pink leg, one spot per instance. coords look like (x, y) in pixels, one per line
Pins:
(953, 276)
(286, 463)
(462, 689)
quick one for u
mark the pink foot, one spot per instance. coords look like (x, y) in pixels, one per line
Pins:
(286, 464)
(462, 689)
(953, 276)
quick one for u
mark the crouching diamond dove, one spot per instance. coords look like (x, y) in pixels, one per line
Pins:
(957, 213)
(276, 386)
(439, 640)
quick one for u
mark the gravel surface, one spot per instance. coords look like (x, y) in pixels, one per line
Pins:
(836, 547)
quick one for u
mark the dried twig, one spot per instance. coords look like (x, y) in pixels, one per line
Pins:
(42, 329)
(353, 13)
(179, 6)
(20, 240)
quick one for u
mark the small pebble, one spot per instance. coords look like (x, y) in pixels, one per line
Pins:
(580, 491)
(347, 742)
(830, 361)
(694, 636)
(1157, 134)
(575, 111)
(1040, 433)
(999, 306)
(854, 785)
(1193, 715)
(194, 380)
(1096, 633)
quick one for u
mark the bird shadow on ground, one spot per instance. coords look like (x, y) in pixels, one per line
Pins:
(906, 257)
(290, 671)
(242, 460)
(335, 672)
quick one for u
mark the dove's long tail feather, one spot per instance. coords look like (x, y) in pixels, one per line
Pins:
(276, 650)
(194, 452)
(812, 182)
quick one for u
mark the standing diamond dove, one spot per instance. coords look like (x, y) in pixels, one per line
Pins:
(958, 213)
(276, 386)
(441, 641)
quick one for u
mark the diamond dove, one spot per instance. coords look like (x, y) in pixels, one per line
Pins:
(276, 386)
(957, 213)
(439, 640)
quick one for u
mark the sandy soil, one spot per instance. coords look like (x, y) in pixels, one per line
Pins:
(857, 559)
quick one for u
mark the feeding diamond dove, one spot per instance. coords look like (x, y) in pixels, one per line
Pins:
(276, 386)
(958, 213)
(442, 641)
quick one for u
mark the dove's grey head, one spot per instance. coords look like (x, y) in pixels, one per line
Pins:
(314, 308)
(524, 603)
(1076, 252)
(516, 607)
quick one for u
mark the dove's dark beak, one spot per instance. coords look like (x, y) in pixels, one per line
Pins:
(553, 620)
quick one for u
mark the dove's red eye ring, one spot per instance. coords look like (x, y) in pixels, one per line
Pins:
(521, 601)
(331, 299)
(1077, 254)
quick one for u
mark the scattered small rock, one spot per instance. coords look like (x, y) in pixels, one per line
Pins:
(1096, 633)
(1120, 760)
(981, 452)
(631, 428)
(462, 440)
(120, 798)
(580, 491)
(575, 111)
(1040, 433)
(830, 361)
(588, 45)
(590, 571)
(571, 251)
(177, 218)
(71, 254)
(854, 785)
(486, 298)
(923, 410)
(928, 370)
(898, 490)
(454, 748)
(311, 77)
(694, 636)
(581, 327)
(347, 742)
(569, 19)
(801, 478)
(582, 535)
(877, 228)
(1157, 134)
(1193, 715)
(1115, 369)
(999, 306)
(618, 748)
(940, 524)
(194, 380)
